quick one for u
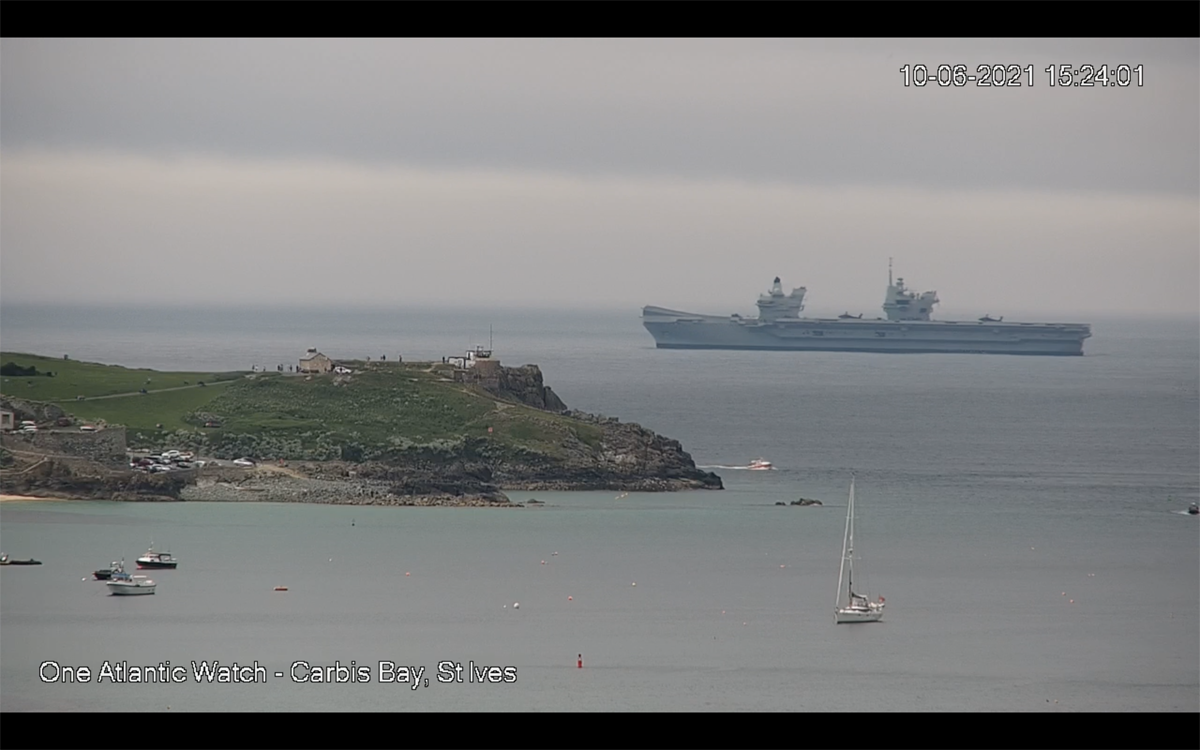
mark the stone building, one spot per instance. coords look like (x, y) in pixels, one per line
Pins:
(315, 362)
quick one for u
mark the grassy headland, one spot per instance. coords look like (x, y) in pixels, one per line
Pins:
(412, 423)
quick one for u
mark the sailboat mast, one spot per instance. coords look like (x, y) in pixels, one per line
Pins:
(845, 543)
(850, 531)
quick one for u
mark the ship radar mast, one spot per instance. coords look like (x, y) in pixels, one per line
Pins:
(901, 304)
(775, 304)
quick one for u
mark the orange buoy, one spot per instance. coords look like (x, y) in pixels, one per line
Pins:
(570, 598)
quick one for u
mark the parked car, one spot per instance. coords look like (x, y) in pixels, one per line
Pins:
(87, 428)
(242, 462)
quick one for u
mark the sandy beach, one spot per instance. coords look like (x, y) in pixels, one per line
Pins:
(28, 499)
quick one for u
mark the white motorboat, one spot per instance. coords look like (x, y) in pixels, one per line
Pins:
(121, 583)
(851, 606)
(760, 464)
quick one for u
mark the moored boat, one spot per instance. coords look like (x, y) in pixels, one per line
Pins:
(157, 560)
(123, 584)
(105, 574)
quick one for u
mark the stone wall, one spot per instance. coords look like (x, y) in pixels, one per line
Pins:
(105, 446)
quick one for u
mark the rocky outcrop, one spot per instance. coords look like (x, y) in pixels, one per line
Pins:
(627, 457)
(420, 477)
(524, 384)
(332, 484)
(35, 411)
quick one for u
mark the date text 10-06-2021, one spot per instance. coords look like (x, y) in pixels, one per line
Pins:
(1003, 76)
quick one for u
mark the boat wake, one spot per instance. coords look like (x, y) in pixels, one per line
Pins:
(747, 467)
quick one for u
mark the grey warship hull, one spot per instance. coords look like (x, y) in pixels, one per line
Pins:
(674, 329)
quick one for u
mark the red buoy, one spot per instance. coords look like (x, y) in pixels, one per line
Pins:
(579, 664)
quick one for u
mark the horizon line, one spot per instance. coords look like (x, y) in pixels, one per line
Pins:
(945, 316)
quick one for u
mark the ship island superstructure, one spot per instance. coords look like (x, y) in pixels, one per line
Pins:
(908, 328)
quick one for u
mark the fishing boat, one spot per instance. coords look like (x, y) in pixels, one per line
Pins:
(1194, 510)
(154, 559)
(122, 584)
(105, 574)
(852, 606)
(761, 464)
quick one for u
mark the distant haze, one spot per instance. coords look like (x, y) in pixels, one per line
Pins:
(596, 173)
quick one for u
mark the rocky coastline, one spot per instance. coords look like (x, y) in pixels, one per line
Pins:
(268, 487)
(329, 484)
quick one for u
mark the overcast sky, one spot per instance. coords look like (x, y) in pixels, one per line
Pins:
(597, 173)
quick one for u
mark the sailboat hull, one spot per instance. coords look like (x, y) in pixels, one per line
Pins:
(843, 616)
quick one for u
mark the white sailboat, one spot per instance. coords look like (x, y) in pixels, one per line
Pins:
(851, 606)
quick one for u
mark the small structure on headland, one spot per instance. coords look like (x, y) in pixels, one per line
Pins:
(476, 366)
(470, 359)
(315, 362)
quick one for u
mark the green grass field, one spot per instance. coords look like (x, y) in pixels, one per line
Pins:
(395, 406)
(139, 412)
(387, 408)
(89, 379)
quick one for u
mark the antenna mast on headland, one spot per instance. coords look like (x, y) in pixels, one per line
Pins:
(489, 337)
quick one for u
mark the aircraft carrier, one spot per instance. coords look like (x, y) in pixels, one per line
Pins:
(906, 329)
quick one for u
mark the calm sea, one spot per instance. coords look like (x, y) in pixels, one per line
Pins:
(1025, 519)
